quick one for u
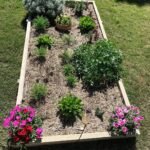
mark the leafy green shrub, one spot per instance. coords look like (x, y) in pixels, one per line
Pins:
(45, 41)
(63, 20)
(79, 7)
(86, 24)
(68, 69)
(66, 57)
(98, 63)
(39, 91)
(50, 8)
(68, 39)
(70, 107)
(41, 23)
(41, 52)
(71, 81)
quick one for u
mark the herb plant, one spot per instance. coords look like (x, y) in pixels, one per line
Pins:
(41, 53)
(79, 7)
(71, 81)
(63, 20)
(86, 24)
(45, 41)
(70, 107)
(39, 91)
(41, 23)
(68, 69)
(98, 63)
(68, 39)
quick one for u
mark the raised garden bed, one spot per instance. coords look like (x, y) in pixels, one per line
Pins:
(50, 72)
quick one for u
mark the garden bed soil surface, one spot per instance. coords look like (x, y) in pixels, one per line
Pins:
(50, 72)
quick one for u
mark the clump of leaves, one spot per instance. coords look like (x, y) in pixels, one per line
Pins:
(86, 24)
(41, 23)
(68, 39)
(99, 113)
(68, 69)
(39, 91)
(98, 63)
(66, 56)
(45, 41)
(63, 20)
(79, 7)
(41, 53)
(70, 107)
(71, 81)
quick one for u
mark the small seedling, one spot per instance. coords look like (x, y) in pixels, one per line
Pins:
(41, 53)
(68, 69)
(66, 57)
(71, 81)
(68, 39)
(99, 113)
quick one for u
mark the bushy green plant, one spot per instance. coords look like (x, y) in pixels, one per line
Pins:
(70, 107)
(50, 8)
(68, 39)
(66, 57)
(39, 91)
(98, 63)
(63, 20)
(86, 24)
(68, 69)
(41, 23)
(41, 52)
(79, 7)
(45, 41)
(71, 81)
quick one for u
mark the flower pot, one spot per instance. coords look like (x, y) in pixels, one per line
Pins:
(63, 27)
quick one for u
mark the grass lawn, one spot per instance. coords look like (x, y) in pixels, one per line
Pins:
(127, 24)
(11, 46)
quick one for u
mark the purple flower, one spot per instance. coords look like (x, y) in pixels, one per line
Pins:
(124, 130)
(6, 122)
(15, 123)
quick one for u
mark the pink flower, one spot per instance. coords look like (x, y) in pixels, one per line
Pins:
(15, 123)
(23, 123)
(115, 125)
(138, 119)
(124, 130)
(120, 115)
(29, 119)
(6, 122)
(18, 117)
(39, 131)
(122, 122)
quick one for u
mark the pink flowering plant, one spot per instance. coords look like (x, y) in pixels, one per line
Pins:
(125, 120)
(23, 126)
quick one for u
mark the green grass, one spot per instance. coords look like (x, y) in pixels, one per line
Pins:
(127, 25)
(11, 47)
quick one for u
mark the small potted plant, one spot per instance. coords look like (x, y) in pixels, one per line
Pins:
(63, 22)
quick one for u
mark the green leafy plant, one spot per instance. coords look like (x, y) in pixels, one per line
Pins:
(41, 52)
(68, 69)
(70, 3)
(45, 41)
(41, 23)
(98, 63)
(66, 57)
(68, 39)
(39, 91)
(70, 107)
(79, 7)
(99, 113)
(86, 24)
(71, 81)
(50, 8)
(63, 20)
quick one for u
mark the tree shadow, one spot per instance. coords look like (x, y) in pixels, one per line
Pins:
(137, 2)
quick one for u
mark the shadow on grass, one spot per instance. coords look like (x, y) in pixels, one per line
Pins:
(138, 2)
(120, 144)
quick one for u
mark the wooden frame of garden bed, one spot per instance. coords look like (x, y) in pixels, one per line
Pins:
(58, 139)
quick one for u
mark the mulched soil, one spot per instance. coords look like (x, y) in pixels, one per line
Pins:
(51, 72)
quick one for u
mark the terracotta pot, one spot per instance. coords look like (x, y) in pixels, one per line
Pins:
(63, 27)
